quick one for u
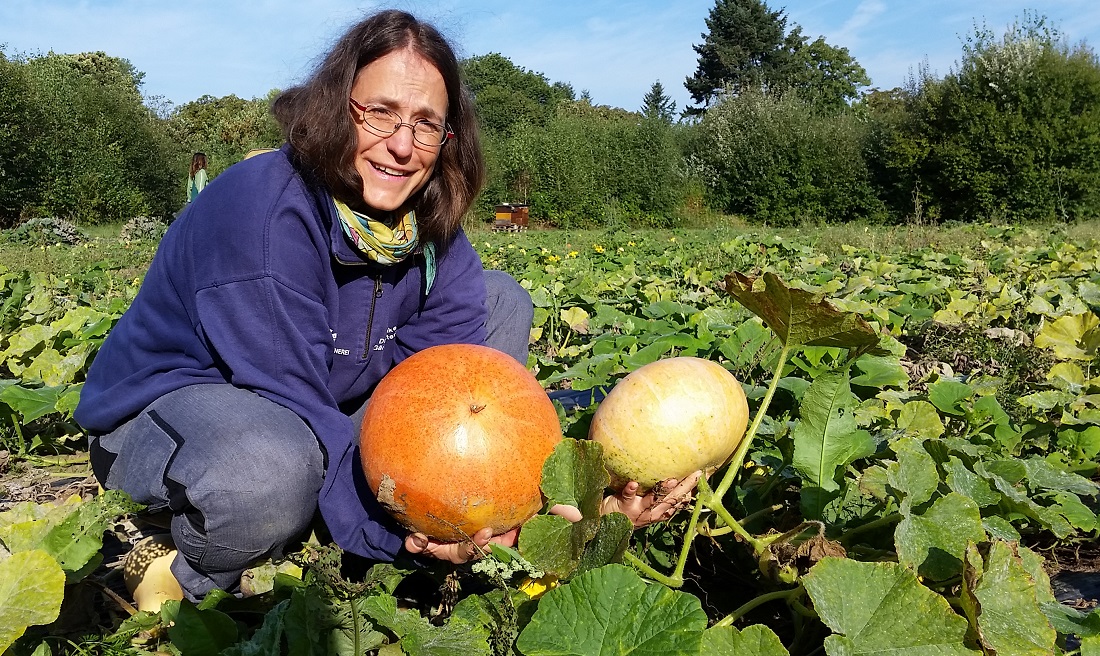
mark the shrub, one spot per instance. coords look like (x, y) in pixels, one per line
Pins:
(776, 159)
(44, 231)
(1014, 132)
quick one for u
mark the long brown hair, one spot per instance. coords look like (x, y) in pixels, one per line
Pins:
(318, 126)
(198, 161)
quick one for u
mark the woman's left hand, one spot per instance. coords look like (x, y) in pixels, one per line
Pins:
(645, 509)
(459, 552)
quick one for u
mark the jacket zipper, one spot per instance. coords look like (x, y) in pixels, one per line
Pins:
(370, 317)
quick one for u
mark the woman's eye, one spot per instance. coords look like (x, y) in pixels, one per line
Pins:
(380, 113)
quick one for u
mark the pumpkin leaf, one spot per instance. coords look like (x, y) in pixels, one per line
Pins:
(882, 609)
(935, 542)
(612, 610)
(755, 640)
(999, 598)
(32, 586)
(802, 318)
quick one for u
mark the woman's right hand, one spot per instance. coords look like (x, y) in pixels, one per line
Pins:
(459, 552)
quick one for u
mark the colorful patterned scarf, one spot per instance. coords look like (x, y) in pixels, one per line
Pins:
(383, 244)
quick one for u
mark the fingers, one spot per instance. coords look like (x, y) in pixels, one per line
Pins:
(572, 513)
(630, 491)
(507, 539)
(416, 543)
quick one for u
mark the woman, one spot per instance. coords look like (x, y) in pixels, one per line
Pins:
(196, 179)
(230, 392)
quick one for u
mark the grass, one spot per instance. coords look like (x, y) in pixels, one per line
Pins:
(103, 247)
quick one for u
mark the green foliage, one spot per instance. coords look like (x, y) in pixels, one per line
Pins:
(778, 160)
(106, 155)
(748, 48)
(743, 50)
(21, 166)
(1015, 131)
(507, 95)
(589, 166)
(657, 105)
(224, 128)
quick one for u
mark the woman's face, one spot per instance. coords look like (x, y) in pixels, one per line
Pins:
(395, 166)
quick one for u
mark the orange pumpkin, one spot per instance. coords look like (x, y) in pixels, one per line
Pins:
(454, 439)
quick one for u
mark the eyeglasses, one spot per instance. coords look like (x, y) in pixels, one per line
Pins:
(389, 122)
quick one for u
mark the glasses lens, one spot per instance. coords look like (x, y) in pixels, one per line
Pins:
(381, 119)
(428, 133)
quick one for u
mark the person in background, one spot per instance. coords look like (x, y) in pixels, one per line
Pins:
(230, 393)
(196, 179)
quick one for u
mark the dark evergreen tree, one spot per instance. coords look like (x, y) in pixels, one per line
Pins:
(744, 47)
(657, 105)
(749, 48)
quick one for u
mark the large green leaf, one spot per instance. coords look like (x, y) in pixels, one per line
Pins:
(573, 475)
(31, 403)
(755, 640)
(826, 437)
(32, 586)
(200, 632)
(801, 318)
(1071, 337)
(79, 538)
(935, 542)
(881, 609)
(267, 639)
(419, 637)
(914, 473)
(612, 610)
(1000, 599)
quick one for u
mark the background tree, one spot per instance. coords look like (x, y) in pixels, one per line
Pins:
(825, 76)
(506, 94)
(1013, 132)
(21, 166)
(225, 128)
(748, 47)
(105, 155)
(743, 48)
(657, 105)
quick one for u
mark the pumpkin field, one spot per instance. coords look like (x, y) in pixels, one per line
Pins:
(919, 474)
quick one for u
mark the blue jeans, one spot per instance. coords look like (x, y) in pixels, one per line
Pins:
(240, 473)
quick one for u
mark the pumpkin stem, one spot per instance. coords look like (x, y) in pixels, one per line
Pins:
(475, 408)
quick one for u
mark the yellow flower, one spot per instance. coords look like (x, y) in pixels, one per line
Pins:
(573, 253)
(597, 248)
(672, 239)
(553, 258)
(630, 243)
(535, 588)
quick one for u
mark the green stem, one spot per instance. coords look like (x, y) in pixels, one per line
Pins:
(689, 534)
(637, 563)
(743, 449)
(714, 502)
(723, 530)
(870, 526)
(787, 595)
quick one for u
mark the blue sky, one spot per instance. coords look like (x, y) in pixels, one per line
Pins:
(614, 50)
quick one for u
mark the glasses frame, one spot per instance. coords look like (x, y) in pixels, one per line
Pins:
(448, 134)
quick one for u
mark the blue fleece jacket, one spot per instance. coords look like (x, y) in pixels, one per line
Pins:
(256, 285)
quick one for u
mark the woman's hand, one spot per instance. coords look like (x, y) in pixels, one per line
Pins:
(459, 552)
(653, 506)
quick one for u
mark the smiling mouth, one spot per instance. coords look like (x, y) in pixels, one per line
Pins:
(389, 171)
